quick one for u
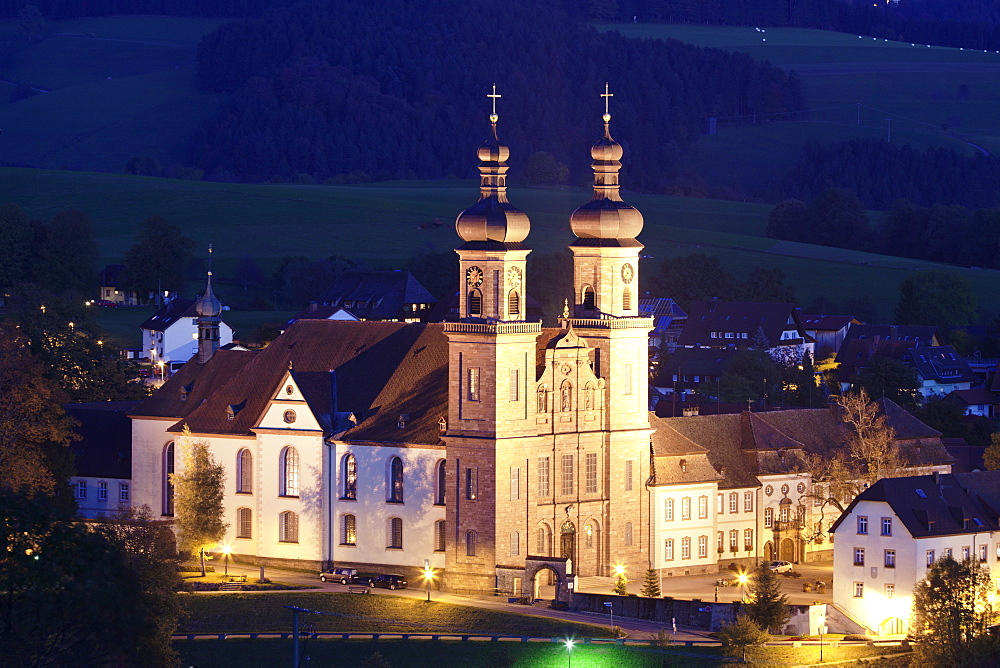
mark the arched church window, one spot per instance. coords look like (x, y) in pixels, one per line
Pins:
(396, 480)
(168, 485)
(289, 472)
(475, 303)
(513, 303)
(439, 495)
(244, 472)
(588, 299)
(566, 396)
(350, 477)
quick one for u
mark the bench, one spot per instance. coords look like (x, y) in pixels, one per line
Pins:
(238, 578)
(358, 590)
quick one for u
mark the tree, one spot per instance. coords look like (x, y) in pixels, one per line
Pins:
(544, 169)
(768, 607)
(692, 278)
(15, 246)
(871, 440)
(935, 298)
(198, 492)
(151, 556)
(158, 259)
(787, 220)
(836, 218)
(651, 588)
(951, 609)
(742, 633)
(885, 377)
(68, 594)
(68, 254)
(621, 585)
(35, 431)
(749, 375)
(991, 456)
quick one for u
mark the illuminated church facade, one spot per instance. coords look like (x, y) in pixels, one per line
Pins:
(488, 448)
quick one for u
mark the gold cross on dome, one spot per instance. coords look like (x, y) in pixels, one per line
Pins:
(494, 95)
(606, 95)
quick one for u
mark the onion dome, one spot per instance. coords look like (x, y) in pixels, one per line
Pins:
(493, 218)
(208, 306)
(606, 216)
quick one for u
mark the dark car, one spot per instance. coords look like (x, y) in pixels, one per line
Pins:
(388, 582)
(341, 575)
(106, 303)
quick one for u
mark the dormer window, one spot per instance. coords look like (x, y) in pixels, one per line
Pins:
(230, 413)
(684, 466)
(442, 425)
(402, 420)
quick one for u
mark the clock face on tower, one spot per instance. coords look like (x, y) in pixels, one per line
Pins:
(627, 273)
(474, 276)
(514, 278)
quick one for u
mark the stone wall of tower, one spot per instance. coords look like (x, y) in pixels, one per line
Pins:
(502, 274)
(615, 285)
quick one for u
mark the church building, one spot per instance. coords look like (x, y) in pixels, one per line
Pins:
(500, 453)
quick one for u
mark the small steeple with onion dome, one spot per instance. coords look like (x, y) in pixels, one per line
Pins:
(493, 218)
(208, 308)
(606, 216)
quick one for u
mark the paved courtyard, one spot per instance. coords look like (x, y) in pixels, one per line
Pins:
(704, 586)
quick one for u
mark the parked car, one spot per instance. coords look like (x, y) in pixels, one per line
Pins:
(780, 566)
(390, 581)
(341, 575)
(106, 303)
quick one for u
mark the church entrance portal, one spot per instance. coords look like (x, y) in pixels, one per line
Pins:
(787, 550)
(768, 551)
(567, 540)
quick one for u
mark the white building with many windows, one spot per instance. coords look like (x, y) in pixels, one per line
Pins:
(893, 531)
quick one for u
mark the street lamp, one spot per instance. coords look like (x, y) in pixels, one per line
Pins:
(569, 657)
(822, 630)
(428, 576)
(742, 579)
(226, 549)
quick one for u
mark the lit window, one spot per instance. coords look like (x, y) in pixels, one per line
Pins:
(439, 536)
(859, 589)
(890, 590)
(396, 480)
(349, 530)
(350, 477)
(471, 484)
(982, 553)
(473, 375)
(966, 553)
(859, 556)
(890, 558)
(290, 472)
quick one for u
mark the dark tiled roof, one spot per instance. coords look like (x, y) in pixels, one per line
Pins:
(192, 384)
(105, 446)
(705, 317)
(169, 314)
(977, 395)
(857, 353)
(374, 295)
(940, 363)
(826, 323)
(923, 335)
(936, 505)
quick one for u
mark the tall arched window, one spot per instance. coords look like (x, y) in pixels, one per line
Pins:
(244, 523)
(442, 483)
(349, 530)
(396, 480)
(627, 299)
(475, 303)
(513, 303)
(471, 539)
(515, 543)
(168, 485)
(244, 472)
(588, 299)
(395, 538)
(439, 536)
(350, 467)
(289, 472)
(288, 527)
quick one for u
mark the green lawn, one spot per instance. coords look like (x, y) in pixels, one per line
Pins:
(244, 613)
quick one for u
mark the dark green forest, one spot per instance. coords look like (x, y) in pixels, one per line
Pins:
(382, 91)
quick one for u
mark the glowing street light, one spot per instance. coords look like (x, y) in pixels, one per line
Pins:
(742, 579)
(428, 576)
(569, 649)
(226, 549)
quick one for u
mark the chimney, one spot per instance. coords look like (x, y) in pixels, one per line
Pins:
(313, 306)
